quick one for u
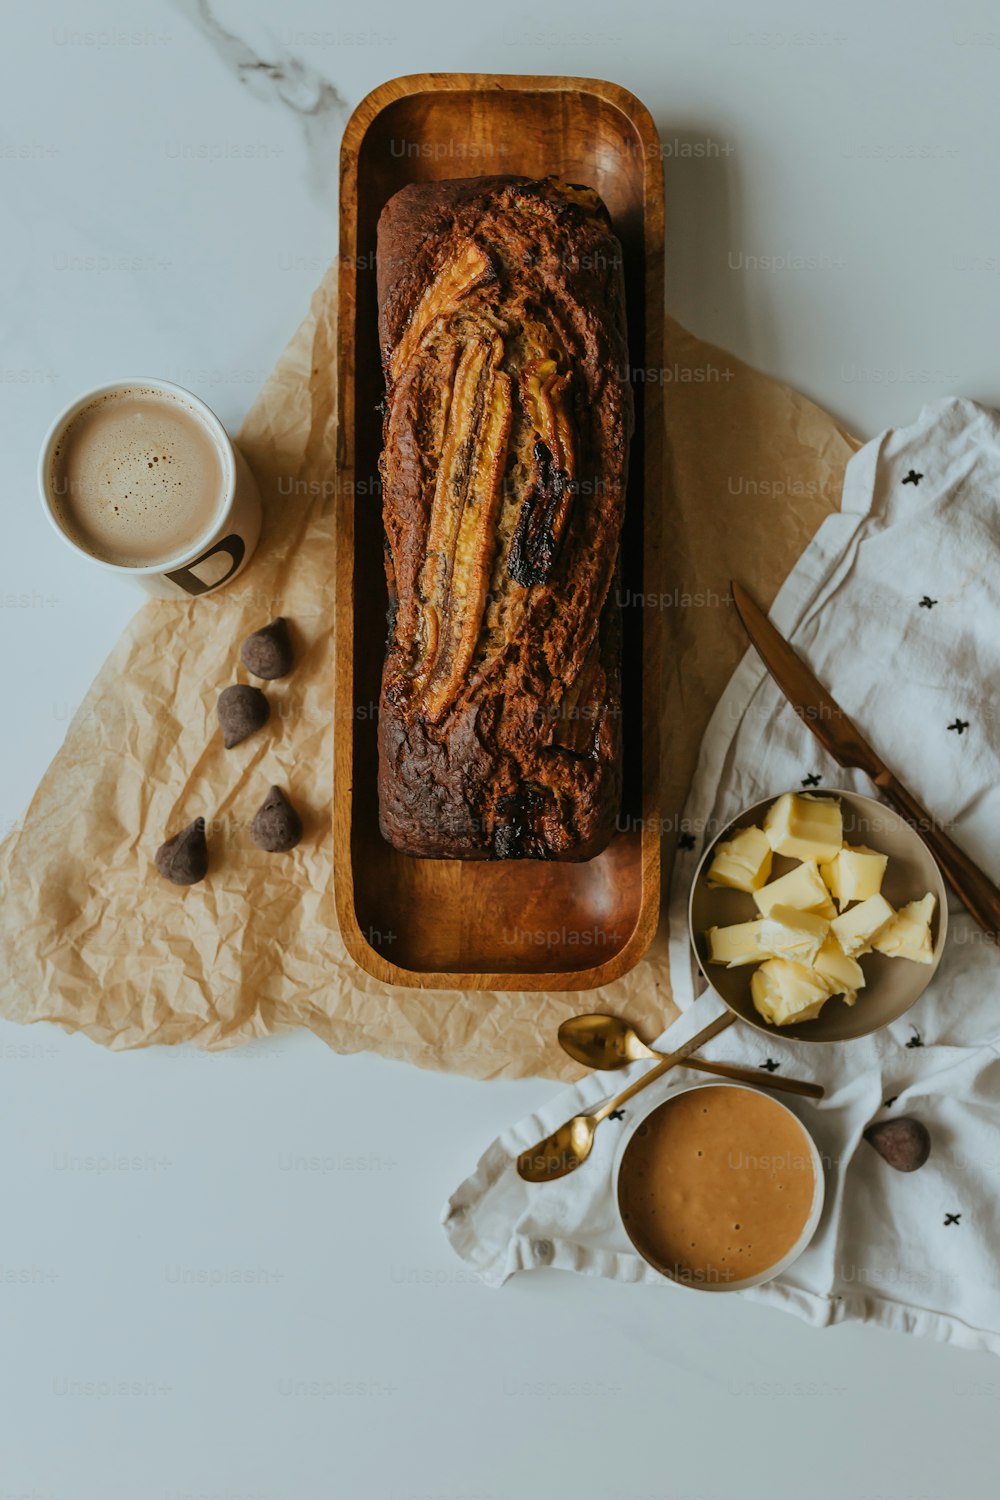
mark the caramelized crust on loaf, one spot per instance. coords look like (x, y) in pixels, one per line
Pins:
(507, 422)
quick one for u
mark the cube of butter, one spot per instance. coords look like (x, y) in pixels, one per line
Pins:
(845, 975)
(743, 862)
(857, 928)
(805, 827)
(736, 945)
(784, 991)
(854, 874)
(908, 935)
(789, 933)
(802, 888)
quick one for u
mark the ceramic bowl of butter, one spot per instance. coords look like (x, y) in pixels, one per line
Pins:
(818, 915)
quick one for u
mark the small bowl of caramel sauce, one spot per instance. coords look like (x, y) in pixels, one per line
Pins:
(720, 1187)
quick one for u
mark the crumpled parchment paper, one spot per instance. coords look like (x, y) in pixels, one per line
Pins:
(95, 941)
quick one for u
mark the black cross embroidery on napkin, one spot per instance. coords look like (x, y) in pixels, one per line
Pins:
(959, 726)
(686, 841)
(812, 780)
(617, 1114)
(913, 478)
(927, 602)
(916, 1040)
(951, 1219)
(771, 1065)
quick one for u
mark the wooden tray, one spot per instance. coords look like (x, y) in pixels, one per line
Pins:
(518, 924)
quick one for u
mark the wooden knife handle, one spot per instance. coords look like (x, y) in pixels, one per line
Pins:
(966, 879)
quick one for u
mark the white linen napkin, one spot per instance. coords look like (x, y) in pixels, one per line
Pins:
(896, 606)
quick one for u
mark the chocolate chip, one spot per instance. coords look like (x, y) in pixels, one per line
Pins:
(242, 711)
(276, 825)
(183, 859)
(268, 652)
(905, 1143)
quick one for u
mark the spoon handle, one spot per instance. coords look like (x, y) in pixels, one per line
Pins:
(747, 1075)
(669, 1060)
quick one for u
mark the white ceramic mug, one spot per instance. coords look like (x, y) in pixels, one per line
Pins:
(227, 543)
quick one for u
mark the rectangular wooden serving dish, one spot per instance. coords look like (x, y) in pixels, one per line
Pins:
(514, 924)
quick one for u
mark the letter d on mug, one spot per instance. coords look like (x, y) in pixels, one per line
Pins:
(142, 478)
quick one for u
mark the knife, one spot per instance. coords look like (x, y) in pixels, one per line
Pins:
(837, 733)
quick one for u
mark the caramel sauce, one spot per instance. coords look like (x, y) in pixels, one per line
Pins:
(717, 1185)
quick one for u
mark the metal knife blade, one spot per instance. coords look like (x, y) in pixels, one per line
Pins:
(836, 733)
(816, 707)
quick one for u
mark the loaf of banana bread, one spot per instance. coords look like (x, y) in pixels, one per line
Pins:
(507, 419)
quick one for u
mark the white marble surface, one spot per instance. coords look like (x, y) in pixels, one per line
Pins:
(359, 1358)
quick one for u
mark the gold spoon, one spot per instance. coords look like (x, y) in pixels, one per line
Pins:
(569, 1146)
(606, 1042)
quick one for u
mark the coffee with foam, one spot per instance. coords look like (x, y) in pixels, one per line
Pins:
(137, 478)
